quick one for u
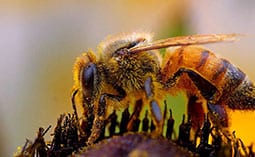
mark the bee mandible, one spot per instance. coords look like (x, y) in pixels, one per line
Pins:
(129, 66)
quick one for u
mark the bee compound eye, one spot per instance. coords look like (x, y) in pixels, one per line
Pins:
(89, 79)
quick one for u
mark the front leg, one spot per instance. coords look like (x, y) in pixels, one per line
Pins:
(99, 112)
(98, 122)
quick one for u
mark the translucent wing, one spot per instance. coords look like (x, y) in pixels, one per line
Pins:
(185, 40)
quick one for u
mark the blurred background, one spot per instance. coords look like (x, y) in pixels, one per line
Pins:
(39, 41)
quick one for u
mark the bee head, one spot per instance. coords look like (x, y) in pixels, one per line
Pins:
(85, 75)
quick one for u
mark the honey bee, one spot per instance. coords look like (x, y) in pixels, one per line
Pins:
(129, 66)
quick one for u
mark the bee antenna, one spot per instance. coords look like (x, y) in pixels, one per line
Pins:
(74, 105)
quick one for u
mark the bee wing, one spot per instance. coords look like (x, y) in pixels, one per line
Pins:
(185, 40)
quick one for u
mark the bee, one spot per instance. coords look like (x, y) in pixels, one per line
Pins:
(130, 66)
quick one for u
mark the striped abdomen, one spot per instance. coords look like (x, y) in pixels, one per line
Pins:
(233, 88)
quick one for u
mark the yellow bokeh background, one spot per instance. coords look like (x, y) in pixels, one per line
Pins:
(40, 40)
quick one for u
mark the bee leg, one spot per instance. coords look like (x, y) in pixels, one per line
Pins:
(217, 111)
(133, 124)
(195, 111)
(218, 115)
(208, 91)
(99, 120)
(157, 116)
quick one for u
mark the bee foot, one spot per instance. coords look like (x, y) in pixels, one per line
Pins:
(98, 124)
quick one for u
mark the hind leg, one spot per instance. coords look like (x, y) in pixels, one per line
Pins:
(216, 108)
